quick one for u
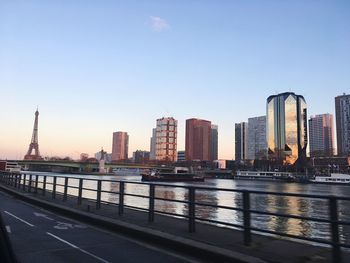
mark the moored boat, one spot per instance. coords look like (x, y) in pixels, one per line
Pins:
(178, 175)
(333, 178)
(10, 166)
(264, 175)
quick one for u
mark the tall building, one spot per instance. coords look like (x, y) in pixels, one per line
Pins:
(321, 135)
(198, 140)
(286, 127)
(120, 146)
(214, 142)
(257, 145)
(342, 116)
(152, 155)
(140, 156)
(166, 139)
(241, 141)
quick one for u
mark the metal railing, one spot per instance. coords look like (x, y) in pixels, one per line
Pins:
(40, 185)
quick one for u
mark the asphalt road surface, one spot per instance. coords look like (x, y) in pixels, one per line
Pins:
(40, 236)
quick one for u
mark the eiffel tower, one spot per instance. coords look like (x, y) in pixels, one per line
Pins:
(34, 143)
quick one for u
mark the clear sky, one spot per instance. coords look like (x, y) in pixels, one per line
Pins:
(95, 67)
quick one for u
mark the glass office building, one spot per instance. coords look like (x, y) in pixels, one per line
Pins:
(286, 127)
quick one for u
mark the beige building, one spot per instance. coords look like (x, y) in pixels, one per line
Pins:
(166, 140)
(321, 135)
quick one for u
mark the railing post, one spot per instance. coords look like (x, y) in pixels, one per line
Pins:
(36, 183)
(16, 179)
(98, 194)
(19, 181)
(121, 199)
(246, 218)
(11, 179)
(151, 203)
(54, 187)
(30, 183)
(191, 210)
(24, 182)
(65, 189)
(80, 191)
(44, 185)
(333, 209)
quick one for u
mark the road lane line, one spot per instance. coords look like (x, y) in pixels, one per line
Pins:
(78, 248)
(20, 219)
(8, 229)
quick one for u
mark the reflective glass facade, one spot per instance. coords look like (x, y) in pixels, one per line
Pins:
(286, 127)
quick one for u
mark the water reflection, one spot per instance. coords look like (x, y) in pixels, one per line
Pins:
(308, 207)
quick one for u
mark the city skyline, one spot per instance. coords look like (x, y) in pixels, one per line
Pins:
(94, 69)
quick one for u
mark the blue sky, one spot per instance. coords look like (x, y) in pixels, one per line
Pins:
(94, 67)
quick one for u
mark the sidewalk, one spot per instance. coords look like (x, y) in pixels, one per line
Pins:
(212, 243)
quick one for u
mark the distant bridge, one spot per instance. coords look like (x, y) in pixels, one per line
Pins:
(72, 166)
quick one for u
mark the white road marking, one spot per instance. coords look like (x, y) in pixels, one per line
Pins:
(20, 219)
(8, 229)
(78, 248)
(65, 226)
(43, 215)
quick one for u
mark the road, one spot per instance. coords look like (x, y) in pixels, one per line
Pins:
(40, 236)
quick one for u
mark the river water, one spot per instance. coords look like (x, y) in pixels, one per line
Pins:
(307, 207)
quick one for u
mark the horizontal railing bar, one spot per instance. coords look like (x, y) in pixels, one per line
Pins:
(291, 216)
(220, 206)
(211, 188)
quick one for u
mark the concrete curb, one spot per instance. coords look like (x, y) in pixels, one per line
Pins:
(191, 247)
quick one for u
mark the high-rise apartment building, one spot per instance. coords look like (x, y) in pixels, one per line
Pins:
(321, 135)
(342, 116)
(241, 141)
(140, 156)
(198, 140)
(286, 127)
(214, 142)
(120, 146)
(152, 155)
(257, 145)
(166, 139)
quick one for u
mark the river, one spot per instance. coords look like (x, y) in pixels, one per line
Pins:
(317, 208)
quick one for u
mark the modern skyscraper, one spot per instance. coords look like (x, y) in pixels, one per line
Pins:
(257, 145)
(120, 146)
(214, 142)
(342, 115)
(241, 141)
(198, 140)
(152, 155)
(166, 139)
(321, 135)
(286, 127)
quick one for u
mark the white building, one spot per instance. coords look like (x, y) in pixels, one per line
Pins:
(257, 144)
